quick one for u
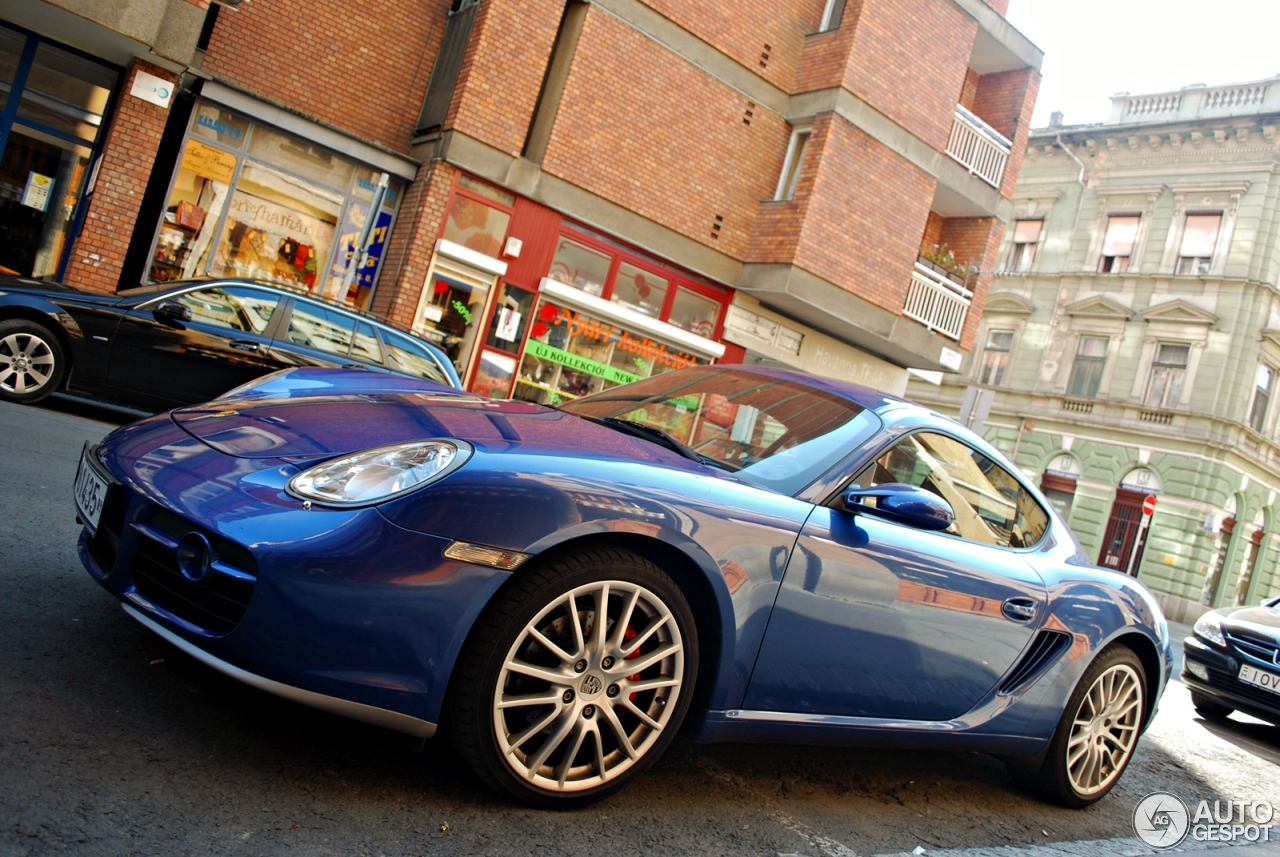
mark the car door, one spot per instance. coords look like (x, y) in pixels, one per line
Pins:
(878, 619)
(162, 360)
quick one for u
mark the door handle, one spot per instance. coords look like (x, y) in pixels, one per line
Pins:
(244, 345)
(1019, 609)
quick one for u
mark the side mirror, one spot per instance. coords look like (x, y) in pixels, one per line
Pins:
(902, 504)
(171, 310)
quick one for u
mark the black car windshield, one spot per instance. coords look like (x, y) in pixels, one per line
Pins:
(778, 433)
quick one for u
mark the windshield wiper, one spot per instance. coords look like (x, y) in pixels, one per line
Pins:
(658, 436)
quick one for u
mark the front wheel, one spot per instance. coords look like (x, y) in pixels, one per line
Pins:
(31, 361)
(1097, 734)
(576, 679)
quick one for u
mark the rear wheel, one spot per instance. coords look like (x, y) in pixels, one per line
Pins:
(576, 679)
(1209, 708)
(32, 364)
(1097, 734)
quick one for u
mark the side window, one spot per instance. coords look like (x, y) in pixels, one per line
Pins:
(991, 506)
(314, 326)
(232, 307)
(364, 345)
(403, 355)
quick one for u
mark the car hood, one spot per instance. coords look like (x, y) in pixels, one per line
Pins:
(1260, 621)
(314, 427)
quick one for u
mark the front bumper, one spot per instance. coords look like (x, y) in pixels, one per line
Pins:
(338, 609)
(1222, 684)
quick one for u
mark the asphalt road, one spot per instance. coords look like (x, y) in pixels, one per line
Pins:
(115, 743)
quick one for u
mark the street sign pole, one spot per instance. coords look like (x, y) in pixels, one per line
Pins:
(1148, 509)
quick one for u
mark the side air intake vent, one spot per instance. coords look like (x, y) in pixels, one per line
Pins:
(1043, 649)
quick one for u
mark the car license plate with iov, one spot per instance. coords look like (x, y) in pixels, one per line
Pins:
(1259, 678)
(90, 492)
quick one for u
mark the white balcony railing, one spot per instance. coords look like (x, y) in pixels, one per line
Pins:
(937, 302)
(978, 147)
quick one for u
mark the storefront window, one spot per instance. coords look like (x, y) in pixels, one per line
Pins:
(494, 374)
(195, 204)
(447, 316)
(300, 157)
(66, 93)
(278, 228)
(40, 181)
(476, 226)
(510, 319)
(571, 354)
(695, 313)
(580, 266)
(640, 290)
(221, 126)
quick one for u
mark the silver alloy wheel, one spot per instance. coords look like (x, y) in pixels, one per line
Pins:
(1104, 730)
(588, 686)
(26, 363)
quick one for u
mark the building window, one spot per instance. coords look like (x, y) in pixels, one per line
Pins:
(995, 357)
(1168, 371)
(1261, 398)
(1199, 238)
(791, 165)
(1117, 245)
(1026, 238)
(1086, 371)
(832, 14)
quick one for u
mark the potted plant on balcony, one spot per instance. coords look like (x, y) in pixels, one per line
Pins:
(940, 258)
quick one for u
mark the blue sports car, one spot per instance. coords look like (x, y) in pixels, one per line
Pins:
(753, 553)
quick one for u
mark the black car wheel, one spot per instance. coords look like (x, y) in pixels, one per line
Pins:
(575, 679)
(31, 361)
(1209, 708)
(1097, 734)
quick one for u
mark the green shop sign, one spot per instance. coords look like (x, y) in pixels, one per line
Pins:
(582, 364)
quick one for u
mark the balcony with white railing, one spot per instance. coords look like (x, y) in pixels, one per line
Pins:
(978, 147)
(937, 302)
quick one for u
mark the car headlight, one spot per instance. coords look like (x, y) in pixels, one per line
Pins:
(1209, 626)
(379, 474)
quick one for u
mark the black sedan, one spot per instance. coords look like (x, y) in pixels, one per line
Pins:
(1232, 663)
(173, 344)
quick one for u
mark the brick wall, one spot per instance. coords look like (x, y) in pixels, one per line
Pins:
(909, 59)
(1005, 100)
(775, 232)
(412, 241)
(765, 36)
(969, 89)
(502, 72)
(974, 241)
(932, 231)
(824, 56)
(856, 231)
(641, 127)
(364, 73)
(129, 150)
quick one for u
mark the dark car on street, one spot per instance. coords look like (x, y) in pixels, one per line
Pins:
(172, 344)
(1232, 663)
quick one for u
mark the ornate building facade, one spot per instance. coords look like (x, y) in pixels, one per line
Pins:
(1132, 339)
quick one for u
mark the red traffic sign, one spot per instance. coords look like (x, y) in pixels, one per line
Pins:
(1148, 504)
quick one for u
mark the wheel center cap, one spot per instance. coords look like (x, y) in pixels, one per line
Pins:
(20, 364)
(591, 686)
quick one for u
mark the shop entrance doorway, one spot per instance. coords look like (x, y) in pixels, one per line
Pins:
(50, 133)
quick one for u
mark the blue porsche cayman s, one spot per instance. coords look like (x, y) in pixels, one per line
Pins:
(752, 553)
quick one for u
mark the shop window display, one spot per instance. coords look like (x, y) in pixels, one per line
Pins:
(448, 315)
(640, 290)
(199, 194)
(581, 267)
(570, 354)
(476, 226)
(695, 313)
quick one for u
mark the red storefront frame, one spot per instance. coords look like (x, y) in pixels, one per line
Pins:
(540, 230)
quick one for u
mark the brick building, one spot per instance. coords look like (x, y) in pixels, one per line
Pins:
(564, 195)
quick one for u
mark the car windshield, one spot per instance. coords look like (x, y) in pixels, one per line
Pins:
(778, 433)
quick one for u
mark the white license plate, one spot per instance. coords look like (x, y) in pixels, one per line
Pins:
(90, 492)
(1260, 678)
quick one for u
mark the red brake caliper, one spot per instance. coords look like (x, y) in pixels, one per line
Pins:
(628, 634)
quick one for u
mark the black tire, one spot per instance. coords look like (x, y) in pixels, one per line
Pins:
(32, 362)
(1080, 782)
(1208, 708)
(585, 707)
